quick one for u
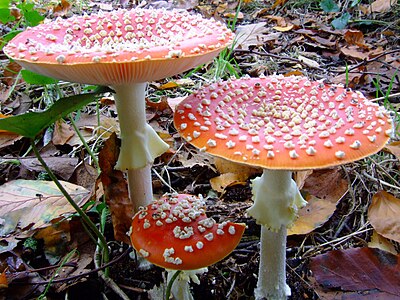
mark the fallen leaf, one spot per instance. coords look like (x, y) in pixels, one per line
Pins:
(226, 166)
(221, 182)
(361, 269)
(354, 37)
(168, 85)
(115, 189)
(323, 189)
(3, 279)
(380, 242)
(278, 3)
(55, 238)
(354, 52)
(394, 148)
(383, 213)
(250, 35)
(61, 166)
(34, 204)
(62, 8)
(62, 133)
(283, 29)
(308, 62)
(378, 6)
(173, 102)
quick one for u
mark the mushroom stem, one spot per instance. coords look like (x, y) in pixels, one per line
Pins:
(181, 287)
(140, 144)
(276, 202)
(140, 187)
(272, 271)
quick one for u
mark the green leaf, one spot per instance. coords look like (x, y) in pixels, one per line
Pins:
(341, 22)
(31, 16)
(5, 16)
(4, 3)
(8, 37)
(35, 78)
(32, 123)
(329, 6)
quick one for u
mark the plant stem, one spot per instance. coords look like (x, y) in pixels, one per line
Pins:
(81, 213)
(170, 283)
(90, 152)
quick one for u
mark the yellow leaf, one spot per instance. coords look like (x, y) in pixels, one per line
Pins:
(283, 29)
(221, 182)
(324, 189)
(168, 85)
(380, 242)
(384, 213)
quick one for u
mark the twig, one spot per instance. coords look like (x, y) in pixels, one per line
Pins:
(364, 62)
(76, 276)
(386, 97)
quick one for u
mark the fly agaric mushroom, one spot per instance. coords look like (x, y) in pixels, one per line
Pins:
(175, 233)
(123, 49)
(281, 124)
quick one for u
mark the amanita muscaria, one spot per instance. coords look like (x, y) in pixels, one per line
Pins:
(281, 124)
(175, 233)
(123, 49)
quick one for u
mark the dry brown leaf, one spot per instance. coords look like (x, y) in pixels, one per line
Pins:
(283, 28)
(3, 279)
(221, 182)
(301, 176)
(62, 166)
(226, 166)
(35, 203)
(394, 148)
(278, 3)
(384, 213)
(354, 37)
(308, 62)
(250, 35)
(378, 6)
(354, 52)
(280, 21)
(324, 190)
(173, 102)
(115, 189)
(380, 242)
(62, 133)
(368, 271)
(62, 8)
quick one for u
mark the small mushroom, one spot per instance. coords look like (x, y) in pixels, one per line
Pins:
(123, 49)
(175, 233)
(281, 124)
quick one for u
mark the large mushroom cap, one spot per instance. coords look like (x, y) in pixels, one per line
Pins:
(287, 123)
(119, 47)
(175, 233)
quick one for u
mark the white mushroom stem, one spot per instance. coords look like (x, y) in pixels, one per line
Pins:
(276, 202)
(181, 288)
(140, 144)
(271, 282)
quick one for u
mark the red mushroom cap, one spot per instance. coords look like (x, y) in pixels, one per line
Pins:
(119, 47)
(287, 123)
(175, 233)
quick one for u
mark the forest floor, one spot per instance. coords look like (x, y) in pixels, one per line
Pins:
(361, 51)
